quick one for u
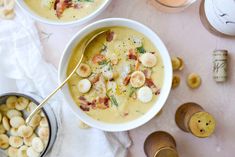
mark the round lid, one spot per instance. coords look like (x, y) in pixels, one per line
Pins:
(202, 124)
(166, 152)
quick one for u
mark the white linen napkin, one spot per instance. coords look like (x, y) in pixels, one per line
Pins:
(21, 62)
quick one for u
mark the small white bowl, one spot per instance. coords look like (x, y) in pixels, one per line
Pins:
(165, 90)
(81, 21)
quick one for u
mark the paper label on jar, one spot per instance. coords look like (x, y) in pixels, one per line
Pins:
(220, 65)
(221, 15)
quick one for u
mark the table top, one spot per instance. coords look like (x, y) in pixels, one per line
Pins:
(184, 36)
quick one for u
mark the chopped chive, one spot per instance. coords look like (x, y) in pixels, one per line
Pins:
(141, 49)
(104, 62)
(114, 100)
(132, 91)
(104, 48)
(108, 91)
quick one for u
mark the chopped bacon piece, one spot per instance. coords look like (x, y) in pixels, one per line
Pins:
(109, 36)
(94, 78)
(147, 73)
(104, 101)
(55, 4)
(100, 103)
(84, 108)
(127, 80)
(61, 5)
(125, 114)
(132, 54)
(83, 101)
(84, 104)
(93, 104)
(98, 58)
(150, 84)
(157, 92)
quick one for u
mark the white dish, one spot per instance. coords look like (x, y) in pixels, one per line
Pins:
(81, 21)
(165, 90)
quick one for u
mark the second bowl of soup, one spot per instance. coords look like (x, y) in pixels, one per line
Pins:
(125, 76)
(63, 12)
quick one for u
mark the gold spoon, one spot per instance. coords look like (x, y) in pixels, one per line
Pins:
(38, 108)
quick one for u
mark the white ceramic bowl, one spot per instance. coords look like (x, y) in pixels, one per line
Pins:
(164, 90)
(81, 21)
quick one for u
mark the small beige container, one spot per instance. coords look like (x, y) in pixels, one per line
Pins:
(160, 144)
(217, 16)
(192, 118)
(172, 6)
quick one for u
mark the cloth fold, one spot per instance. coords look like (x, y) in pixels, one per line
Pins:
(21, 61)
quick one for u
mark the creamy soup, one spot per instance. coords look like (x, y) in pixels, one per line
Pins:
(64, 10)
(120, 77)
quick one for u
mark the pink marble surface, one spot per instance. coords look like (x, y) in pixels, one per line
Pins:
(184, 36)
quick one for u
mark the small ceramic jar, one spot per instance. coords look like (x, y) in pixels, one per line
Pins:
(192, 118)
(160, 144)
(219, 17)
(172, 6)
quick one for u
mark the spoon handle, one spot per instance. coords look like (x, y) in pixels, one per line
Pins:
(38, 108)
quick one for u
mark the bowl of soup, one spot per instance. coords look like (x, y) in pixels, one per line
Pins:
(124, 78)
(63, 12)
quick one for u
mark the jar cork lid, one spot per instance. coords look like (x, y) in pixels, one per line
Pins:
(220, 65)
(202, 124)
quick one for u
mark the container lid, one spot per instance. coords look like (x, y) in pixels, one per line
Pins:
(202, 124)
(166, 152)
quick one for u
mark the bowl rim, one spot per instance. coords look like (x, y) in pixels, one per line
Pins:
(167, 75)
(81, 21)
